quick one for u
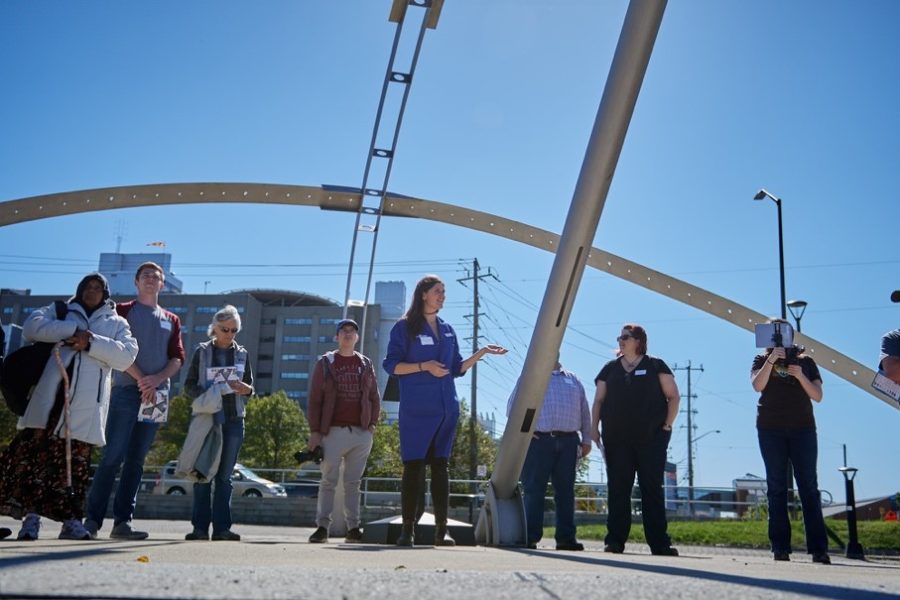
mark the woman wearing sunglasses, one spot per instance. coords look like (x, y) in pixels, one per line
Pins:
(636, 402)
(219, 382)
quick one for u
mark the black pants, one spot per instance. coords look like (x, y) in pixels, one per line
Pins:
(412, 493)
(648, 461)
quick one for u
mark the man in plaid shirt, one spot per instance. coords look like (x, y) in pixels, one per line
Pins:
(562, 435)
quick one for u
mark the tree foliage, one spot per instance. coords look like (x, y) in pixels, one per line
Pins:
(275, 429)
(170, 437)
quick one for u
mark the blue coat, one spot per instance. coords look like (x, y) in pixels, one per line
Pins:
(429, 408)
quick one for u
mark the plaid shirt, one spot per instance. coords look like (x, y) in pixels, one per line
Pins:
(565, 406)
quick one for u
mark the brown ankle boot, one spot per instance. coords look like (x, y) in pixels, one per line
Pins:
(407, 533)
(441, 537)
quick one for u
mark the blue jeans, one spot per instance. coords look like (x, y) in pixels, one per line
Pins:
(127, 445)
(800, 448)
(554, 459)
(232, 439)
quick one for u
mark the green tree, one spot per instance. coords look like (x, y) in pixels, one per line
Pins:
(275, 429)
(7, 426)
(170, 437)
(384, 459)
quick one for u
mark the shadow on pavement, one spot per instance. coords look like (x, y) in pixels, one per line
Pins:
(780, 585)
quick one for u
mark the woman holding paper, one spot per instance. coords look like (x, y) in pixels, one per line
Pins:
(219, 382)
(424, 353)
(35, 472)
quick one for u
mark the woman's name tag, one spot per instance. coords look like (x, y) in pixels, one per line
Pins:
(426, 340)
(640, 372)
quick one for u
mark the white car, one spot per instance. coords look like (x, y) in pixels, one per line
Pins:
(244, 481)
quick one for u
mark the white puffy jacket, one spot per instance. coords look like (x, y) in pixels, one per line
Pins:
(112, 347)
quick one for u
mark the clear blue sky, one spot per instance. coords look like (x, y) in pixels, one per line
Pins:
(800, 98)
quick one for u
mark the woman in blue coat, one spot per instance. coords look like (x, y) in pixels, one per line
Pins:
(423, 353)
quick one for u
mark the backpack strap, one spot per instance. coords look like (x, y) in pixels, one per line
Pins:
(62, 309)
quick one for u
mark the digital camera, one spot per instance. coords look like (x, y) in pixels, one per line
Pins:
(314, 456)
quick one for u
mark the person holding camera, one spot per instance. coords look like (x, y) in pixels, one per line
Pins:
(636, 401)
(788, 381)
(889, 360)
(344, 407)
(423, 353)
(219, 382)
(34, 474)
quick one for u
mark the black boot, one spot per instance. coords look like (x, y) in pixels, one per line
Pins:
(441, 536)
(407, 534)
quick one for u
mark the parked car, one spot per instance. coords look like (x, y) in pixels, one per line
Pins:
(244, 481)
(302, 488)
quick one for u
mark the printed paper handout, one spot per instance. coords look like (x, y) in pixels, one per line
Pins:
(223, 374)
(157, 411)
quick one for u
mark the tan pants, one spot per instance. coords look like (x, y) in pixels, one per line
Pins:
(350, 446)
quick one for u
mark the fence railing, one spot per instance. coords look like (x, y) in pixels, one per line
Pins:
(590, 497)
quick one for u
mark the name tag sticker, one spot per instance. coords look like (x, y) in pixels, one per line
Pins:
(641, 372)
(426, 340)
(166, 324)
(448, 334)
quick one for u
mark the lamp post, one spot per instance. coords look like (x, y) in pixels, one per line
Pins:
(691, 468)
(762, 195)
(797, 308)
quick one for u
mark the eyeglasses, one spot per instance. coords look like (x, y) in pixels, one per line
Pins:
(227, 330)
(624, 337)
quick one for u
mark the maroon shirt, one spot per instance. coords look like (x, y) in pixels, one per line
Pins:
(347, 372)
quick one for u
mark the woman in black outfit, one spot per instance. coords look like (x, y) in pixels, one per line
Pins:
(637, 402)
(788, 381)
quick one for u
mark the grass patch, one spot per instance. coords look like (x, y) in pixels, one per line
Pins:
(878, 536)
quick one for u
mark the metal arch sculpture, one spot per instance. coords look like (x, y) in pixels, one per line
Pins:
(348, 199)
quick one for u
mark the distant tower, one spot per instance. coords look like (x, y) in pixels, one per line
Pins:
(391, 296)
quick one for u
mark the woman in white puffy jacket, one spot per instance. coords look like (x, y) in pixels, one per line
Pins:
(95, 340)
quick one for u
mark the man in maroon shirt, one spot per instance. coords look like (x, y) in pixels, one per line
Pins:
(343, 410)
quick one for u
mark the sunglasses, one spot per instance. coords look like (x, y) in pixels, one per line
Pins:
(622, 338)
(227, 330)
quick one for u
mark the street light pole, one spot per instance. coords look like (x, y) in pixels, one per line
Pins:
(762, 195)
(798, 307)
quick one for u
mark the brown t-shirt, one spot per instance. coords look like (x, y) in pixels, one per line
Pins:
(783, 403)
(347, 373)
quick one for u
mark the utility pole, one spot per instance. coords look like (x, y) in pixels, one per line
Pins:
(474, 277)
(690, 431)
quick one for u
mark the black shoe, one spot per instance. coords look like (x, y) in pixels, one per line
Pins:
(5, 532)
(614, 548)
(407, 534)
(197, 536)
(531, 546)
(319, 536)
(781, 555)
(442, 536)
(570, 546)
(670, 551)
(822, 557)
(123, 531)
(226, 536)
(353, 536)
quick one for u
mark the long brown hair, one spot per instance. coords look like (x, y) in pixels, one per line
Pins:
(415, 315)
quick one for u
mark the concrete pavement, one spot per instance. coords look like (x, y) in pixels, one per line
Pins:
(277, 562)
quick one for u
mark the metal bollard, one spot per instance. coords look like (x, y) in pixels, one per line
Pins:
(854, 548)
